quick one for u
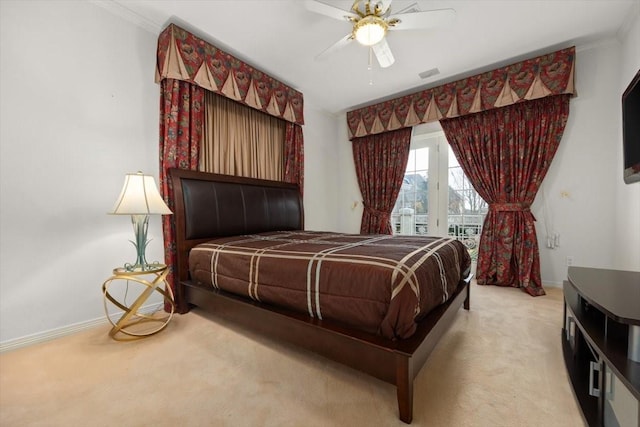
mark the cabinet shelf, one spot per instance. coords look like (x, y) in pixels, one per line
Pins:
(578, 371)
(602, 328)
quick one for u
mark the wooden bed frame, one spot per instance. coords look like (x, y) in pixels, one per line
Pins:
(211, 205)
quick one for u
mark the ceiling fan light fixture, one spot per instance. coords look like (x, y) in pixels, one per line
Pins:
(370, 30)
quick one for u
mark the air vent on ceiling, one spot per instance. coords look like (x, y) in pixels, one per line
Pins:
(429, 73)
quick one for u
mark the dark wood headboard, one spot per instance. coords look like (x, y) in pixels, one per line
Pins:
(208, 205)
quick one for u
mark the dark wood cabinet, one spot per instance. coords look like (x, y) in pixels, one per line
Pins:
(601, 344)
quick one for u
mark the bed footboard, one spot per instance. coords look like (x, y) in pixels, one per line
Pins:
(395, 362)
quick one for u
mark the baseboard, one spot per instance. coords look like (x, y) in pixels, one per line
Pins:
(52, 334)
(552, 284)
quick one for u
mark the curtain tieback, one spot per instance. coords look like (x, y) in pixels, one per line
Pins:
(509, 207)
(376, 212)
(512, 207)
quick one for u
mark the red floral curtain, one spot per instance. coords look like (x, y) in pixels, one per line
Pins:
(181, 121)
(294, 155)
(506, 153)
(381, 161)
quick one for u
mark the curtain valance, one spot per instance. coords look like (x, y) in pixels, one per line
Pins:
(183, 56)
(545, 75)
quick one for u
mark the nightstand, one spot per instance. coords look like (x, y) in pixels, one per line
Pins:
(134, 322)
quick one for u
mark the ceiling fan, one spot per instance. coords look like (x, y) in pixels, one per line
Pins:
(372, 19)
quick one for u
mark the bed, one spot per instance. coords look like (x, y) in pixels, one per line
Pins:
(217, 216)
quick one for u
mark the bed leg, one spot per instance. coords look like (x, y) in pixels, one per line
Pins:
(404, 385)
(467, 300)
(180, 299)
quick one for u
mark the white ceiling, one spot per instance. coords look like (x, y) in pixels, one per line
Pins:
(282, 38)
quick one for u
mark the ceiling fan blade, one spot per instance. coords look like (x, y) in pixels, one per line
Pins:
(327, 10)
(385, 5)
(333, 48)
(428, 19)
(383, 53)
(412, 8)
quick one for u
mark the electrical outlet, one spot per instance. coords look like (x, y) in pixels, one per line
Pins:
(569, 261)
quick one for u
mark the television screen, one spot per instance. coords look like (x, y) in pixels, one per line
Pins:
(631, 130)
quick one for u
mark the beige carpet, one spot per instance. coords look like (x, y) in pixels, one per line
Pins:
(499, 365)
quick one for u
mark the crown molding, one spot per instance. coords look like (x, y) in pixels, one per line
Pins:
(124, 12)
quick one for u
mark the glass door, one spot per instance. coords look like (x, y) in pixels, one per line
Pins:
(466, 209)
(436, 197)
(416, 211)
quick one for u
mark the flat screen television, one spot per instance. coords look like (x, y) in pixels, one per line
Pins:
(631, 130)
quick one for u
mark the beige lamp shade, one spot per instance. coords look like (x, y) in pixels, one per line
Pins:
(140, 196)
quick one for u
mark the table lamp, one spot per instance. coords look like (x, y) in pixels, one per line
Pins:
(140, 198)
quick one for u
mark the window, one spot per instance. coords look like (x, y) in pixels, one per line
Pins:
(415, 208)
(435, 200)
(466, 210)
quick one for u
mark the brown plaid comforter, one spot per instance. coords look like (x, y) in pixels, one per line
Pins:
(377, 283)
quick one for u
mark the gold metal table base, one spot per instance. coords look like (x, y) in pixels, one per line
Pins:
(132, 317)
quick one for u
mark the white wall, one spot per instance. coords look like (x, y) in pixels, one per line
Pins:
(320, 169)
(350, 207)
(78, 111)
